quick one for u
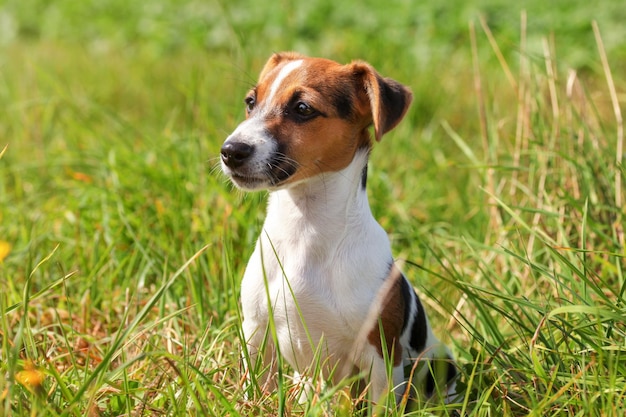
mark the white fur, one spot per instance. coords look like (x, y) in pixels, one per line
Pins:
(284, 72)
(322, 260)
(318, 236)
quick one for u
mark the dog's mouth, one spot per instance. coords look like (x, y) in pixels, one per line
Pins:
(273, 174)
(247, 182)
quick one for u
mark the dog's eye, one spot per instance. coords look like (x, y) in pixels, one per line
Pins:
(250, 103)
(304, 110)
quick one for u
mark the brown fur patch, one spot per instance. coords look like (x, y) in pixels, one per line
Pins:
(320, 145)
(348, 99)
(391, 319)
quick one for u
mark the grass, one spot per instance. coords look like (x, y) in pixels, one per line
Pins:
(122, 246)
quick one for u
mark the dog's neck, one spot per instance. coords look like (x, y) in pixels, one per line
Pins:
(320, 210)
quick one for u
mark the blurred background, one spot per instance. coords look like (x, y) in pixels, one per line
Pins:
(503, 188)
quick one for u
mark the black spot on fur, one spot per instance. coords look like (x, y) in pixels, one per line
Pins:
(429, 387)
(406, 295)
(452, 372)
(343, 103)
(364, 177)
(342, 99)
(434, 376)
(419, 331)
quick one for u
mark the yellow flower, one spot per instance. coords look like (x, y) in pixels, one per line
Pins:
(30, 377)
(5, 249)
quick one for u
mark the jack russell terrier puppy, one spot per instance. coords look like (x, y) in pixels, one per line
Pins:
(322, 275)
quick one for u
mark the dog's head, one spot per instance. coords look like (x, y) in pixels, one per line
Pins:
(307, 116)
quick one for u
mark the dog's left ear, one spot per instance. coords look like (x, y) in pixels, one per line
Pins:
(388, 99)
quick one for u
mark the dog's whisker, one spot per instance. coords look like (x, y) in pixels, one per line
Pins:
(215, 169)
(281, 157)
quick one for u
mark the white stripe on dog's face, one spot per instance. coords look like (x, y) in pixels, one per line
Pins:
(284, 72)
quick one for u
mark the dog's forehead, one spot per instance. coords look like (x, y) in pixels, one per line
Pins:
(306, 72)
(303, 69)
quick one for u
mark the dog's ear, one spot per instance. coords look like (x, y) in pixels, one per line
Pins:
(388, 99)
(276, 59)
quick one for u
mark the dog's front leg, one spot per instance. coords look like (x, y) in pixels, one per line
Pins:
(383, 381)
(259, 358)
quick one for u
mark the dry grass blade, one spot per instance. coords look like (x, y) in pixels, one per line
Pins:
(619, 149)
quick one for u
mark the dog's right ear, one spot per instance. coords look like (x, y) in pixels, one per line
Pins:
(388, 99)
(276, 59)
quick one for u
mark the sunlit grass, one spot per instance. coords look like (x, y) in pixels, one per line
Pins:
(122, 246)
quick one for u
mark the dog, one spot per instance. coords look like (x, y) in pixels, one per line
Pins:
(322, 275)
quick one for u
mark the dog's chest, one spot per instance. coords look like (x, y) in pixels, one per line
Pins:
(318, 264)
(320, 291)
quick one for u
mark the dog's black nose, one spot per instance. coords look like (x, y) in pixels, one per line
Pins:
(234, 154)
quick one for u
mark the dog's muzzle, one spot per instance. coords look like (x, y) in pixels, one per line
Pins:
(255, 164)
